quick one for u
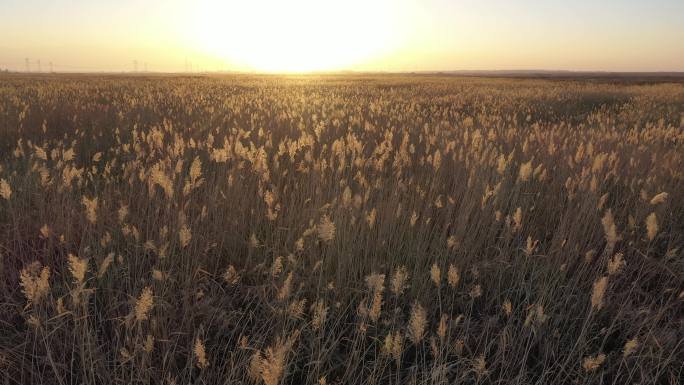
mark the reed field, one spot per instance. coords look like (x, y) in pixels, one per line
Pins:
(340, 229)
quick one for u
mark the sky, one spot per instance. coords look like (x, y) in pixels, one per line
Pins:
(332, 35)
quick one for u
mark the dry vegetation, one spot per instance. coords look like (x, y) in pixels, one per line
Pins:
(340, 230)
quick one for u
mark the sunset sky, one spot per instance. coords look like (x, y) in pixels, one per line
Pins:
(319, 35)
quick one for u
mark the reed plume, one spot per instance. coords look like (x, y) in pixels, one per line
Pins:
(200, 354)
(34, 281)
(651, 226)
(598, 292)
(417, 323)
(144, 304)
(592, 363)
(5, 189)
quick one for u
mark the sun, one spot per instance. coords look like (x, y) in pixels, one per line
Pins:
(295, 36)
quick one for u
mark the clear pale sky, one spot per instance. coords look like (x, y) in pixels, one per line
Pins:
(306, 35)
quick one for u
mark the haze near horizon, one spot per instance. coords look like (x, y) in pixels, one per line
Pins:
(307, 35)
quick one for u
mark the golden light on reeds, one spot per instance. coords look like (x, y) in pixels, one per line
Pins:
(231, 275)
(598, 292)
(376, 285)
(326, 229)
(91, 208)
(45, 231)
(286, 288)
(525, 172)
(616, 263)
(480, 365)
(592, 363)
(630, 347)
(394, 345)
(34, 281)
(403, 229)
(436, 275)
(399, 279)
(77, 267)
(610, 229)
(659, 198)
(651, 226)
(269, 366)
(417, 323)
(184, 236)
(5, 189)
(320, 314)
(442, 327)
(143, 304)
(200, 354)
(453, 276)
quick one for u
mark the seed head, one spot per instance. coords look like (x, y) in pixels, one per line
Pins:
(651, 226)
(609, 228)
(417, 323)
(200, 354)
(453, 276)
(284, 291)
(320, 312)
(630, 347)
(598, 292)
(105, 265)
(78, 267)
(399, 281)
(525, 172)
(184, 235)
(436, 274)
(91, 208)
(659, 198)
(144, 304)
(34, 282)
(326, 229)
(592, 363)
(5, 189)
(616, 264)
(442, 328)
(231, 275)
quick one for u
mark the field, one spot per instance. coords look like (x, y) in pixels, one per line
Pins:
(347, 229)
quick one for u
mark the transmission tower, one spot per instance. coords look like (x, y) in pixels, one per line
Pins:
(135, 66)
(28, 65)
(40, 69)
(51, 71)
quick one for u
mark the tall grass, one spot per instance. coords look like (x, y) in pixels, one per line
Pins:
(340, 230)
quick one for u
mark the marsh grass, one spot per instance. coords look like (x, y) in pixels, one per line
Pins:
(340, 230)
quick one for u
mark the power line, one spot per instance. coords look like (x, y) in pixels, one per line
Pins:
(29, 65)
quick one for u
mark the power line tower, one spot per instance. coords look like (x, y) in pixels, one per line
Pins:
(40, 69)
(145, 67)
(28, 65)
(135, 66)
(51, 71)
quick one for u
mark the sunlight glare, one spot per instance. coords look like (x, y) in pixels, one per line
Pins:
(298, 36)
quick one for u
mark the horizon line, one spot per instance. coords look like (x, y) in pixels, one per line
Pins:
(358, 72)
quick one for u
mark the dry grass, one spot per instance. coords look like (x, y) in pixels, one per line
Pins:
(340, 230)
